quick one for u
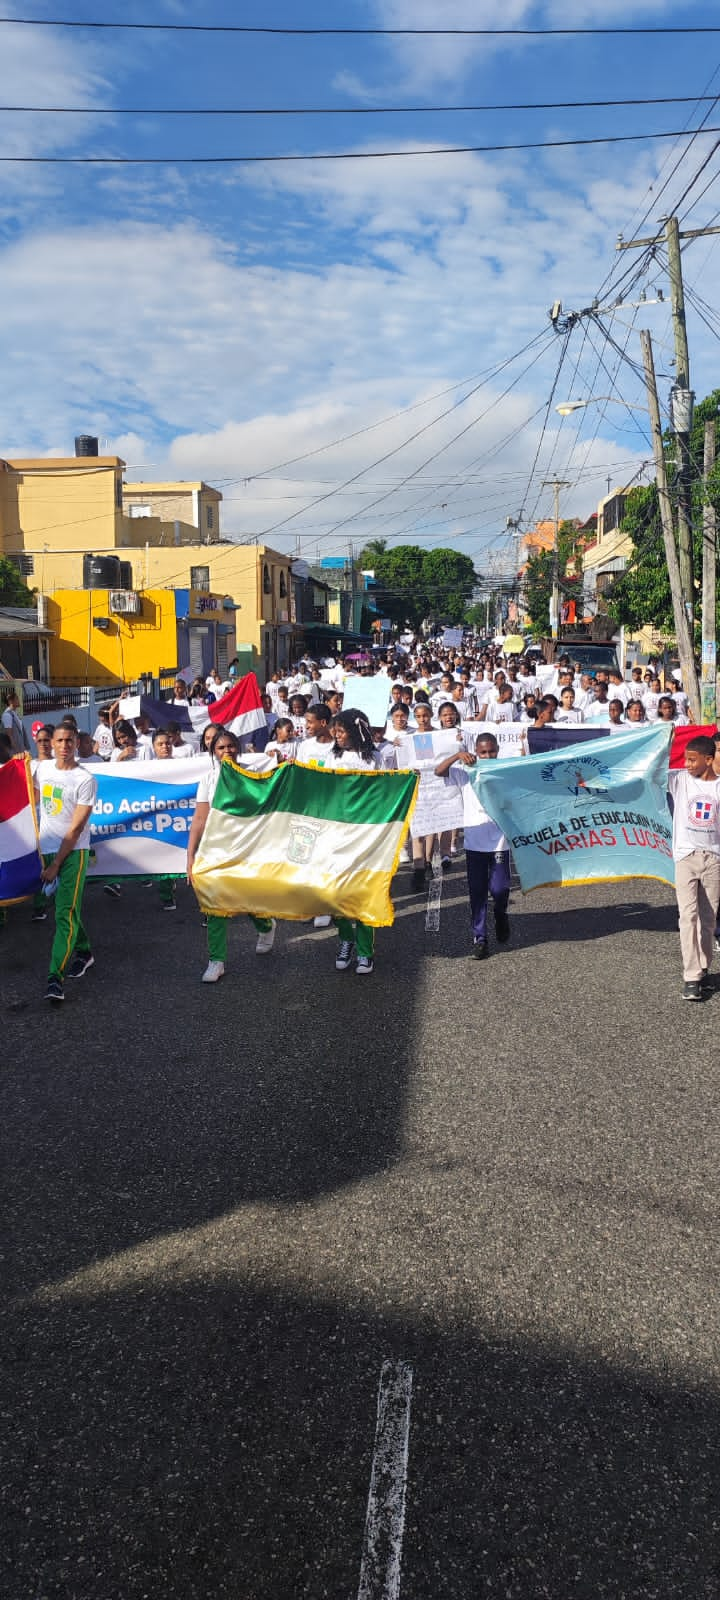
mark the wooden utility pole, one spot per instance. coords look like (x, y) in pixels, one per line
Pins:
(709, 642)
(682, 381)
(672, 235)
(683, 632)
(556, 484)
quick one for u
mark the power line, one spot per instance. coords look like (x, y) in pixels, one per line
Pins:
(352, 111)
(347, 155)
(422, 33)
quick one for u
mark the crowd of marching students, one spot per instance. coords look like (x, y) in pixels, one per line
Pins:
(473, 692)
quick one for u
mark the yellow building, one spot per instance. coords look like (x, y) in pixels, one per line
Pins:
(93, 643)
(72, 504)
(54, 514)
(170, 513)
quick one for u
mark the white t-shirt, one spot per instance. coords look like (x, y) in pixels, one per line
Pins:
(103, 738)
(60, 792)
(142, 752)
(350, 759)
(480, 832)
(566, 716)
(313, 750)
(696, 814)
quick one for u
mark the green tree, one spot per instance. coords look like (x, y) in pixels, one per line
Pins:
(371, 554)
(13, 589)
(449, 579)
(642, 593)
(413, 583)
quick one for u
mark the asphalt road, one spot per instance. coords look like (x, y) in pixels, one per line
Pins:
(226, 1207)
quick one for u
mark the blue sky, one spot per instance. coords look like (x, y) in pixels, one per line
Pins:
(364, 316)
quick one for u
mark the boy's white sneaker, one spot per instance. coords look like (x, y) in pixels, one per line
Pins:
(214, 971)
(265, 941)
(322, 922)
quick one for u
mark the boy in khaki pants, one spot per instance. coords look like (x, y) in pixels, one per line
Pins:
(695, 795)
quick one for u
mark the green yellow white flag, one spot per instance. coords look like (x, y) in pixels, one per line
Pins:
(302, 842)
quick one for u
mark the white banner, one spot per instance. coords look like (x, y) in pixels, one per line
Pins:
(439, 804)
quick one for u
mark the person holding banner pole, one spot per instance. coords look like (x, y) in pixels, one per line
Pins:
(695, 793)
(487, 858)
(223, 747)
(65, 794)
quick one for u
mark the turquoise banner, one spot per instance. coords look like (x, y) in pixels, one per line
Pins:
(594, 813)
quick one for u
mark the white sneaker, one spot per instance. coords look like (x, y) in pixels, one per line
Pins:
(344, 956)
(265, 941)
(214, 971)
(322, 922)
(363, 965)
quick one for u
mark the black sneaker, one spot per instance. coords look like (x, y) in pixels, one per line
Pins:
(692, 991)
(55, 991)
(112, 889)
(502, 927)
(80, 966)
(479, 950)
(39, 915)
(418, 879)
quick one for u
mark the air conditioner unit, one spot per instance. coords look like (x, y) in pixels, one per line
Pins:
(125, 602)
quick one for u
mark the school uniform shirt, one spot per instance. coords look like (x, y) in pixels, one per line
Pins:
(568, 717)
(681, 701)
(282, 752)
(103, 738)
(60, 792)
(313, 750)
(386, 756)
(141, 753)
(505, 711)
(351, 760)
(696, 814)
(480, 832)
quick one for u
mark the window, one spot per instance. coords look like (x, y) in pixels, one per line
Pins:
(200, 578)
(267, 586)
(139, 511)
(283, 586)
(118, 492)
(209, 516)
(24, 564)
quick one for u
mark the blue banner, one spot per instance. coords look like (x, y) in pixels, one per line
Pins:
(142, 815)
(591, 814)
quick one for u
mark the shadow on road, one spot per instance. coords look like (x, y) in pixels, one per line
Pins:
(210, 1441)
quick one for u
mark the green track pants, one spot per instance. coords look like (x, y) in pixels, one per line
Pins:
(70, 936)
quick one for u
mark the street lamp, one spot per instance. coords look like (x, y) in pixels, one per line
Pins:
(566, 407)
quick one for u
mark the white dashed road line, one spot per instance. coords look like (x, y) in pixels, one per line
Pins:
(385, 1519)
(432, 914)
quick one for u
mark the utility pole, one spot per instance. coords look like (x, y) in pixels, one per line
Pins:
(556, 484)
(709, 642)
(673, 234)
(682, 625)
(681, 413)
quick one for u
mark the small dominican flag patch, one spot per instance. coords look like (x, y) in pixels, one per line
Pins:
(702, 812)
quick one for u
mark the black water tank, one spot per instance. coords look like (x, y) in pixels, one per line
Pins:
(126, 575)
(101, 572)
(86, 445)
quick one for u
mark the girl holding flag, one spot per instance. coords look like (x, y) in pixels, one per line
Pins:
(224, 746)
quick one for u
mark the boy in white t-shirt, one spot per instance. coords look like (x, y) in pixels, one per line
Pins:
(695, 795)
(65, 794)
(487, 858)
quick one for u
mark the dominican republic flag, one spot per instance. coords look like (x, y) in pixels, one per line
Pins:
(240, 710)
(702, 811)
(20, 861)
(680, 739)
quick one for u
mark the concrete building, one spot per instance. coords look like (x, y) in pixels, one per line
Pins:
(56, 514)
